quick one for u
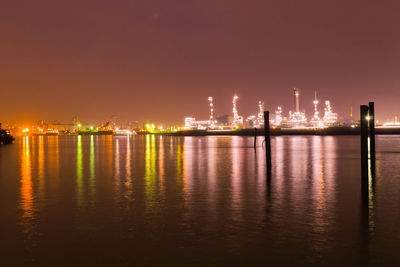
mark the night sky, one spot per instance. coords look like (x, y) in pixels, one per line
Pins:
(160, 60)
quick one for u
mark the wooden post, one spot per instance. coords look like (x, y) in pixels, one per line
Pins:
(255, 137)
(267, 135)
(364, 144)
(372, 136)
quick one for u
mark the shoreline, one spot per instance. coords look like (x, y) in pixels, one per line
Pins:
(277, 132)
(330, 131)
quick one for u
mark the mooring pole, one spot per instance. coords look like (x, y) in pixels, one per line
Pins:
(364, 143)
(267, 134)
(372, 135)
(255, 137)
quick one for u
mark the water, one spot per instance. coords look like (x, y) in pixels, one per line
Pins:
(146, 200)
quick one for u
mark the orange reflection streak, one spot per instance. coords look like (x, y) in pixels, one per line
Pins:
(180, 164)
(27, 201)
(179, 161)
(26, 182)
(41, 161)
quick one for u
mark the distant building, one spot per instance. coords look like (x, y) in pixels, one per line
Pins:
(63, 127)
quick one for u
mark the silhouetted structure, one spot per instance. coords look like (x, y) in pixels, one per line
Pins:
(364, 143)
(267, 134)
(5, 137)
(367, 129)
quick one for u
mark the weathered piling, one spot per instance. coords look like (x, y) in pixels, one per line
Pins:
(371, 116)
(364, 143)
(255, 137)
(267, 134)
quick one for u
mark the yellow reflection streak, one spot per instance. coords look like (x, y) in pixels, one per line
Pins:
(179, 161)
(108, 142)
(150, 170)
(79, 171)
(92, 173)
(188, 168)
(183, 177)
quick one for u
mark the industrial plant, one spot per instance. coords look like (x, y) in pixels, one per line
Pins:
(294, 119)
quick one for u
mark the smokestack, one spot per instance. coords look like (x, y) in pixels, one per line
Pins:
(211, 104)
(297, 94)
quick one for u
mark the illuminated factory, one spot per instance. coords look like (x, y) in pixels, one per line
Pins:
(298, 119)
(257, 121)
(211, 123)
(295, 119)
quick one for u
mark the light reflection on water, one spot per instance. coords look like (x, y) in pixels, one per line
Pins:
(27, 201)
(199, 200)
(79, 171)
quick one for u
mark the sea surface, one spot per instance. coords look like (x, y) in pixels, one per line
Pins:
(159, 200)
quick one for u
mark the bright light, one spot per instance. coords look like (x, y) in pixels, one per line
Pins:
(150, 127)
(368, 118)
(79, 125)
(122, 132)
